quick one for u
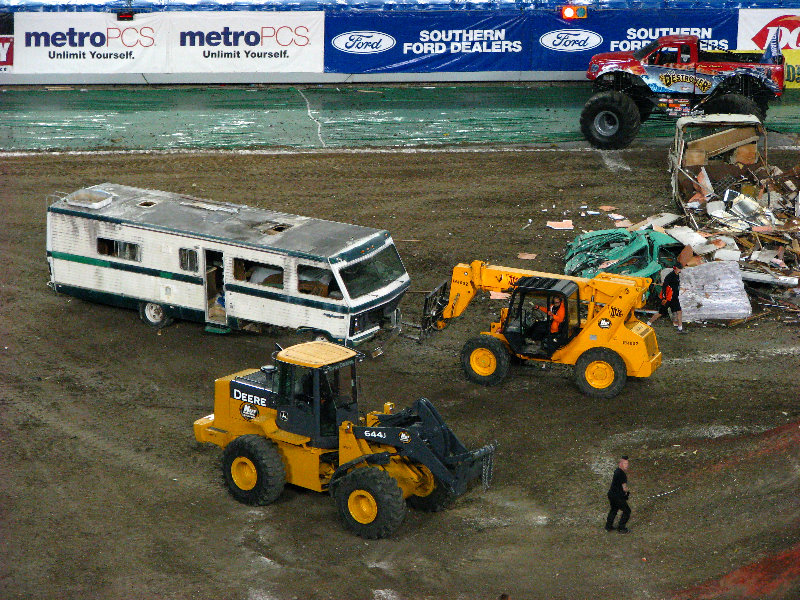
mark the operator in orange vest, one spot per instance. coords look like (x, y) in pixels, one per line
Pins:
(557, 313)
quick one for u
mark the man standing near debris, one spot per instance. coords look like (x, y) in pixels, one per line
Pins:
(618, 497)
(669, 298)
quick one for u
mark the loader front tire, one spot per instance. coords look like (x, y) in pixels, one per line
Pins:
(437, 500)
(253, 470)
(610, 120)
(600, 373)
(370, 503)
(485, 360)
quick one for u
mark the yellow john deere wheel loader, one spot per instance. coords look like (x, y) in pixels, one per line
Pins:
(297, 422)
(599, 334)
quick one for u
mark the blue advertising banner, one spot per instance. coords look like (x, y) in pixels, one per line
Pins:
(470, 41)
(568, 45)
(427, 42)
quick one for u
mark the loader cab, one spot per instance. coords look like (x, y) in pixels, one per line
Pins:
(317, 390)
(528, 327)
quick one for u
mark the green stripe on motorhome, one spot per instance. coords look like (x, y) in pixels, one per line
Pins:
(272, 295)
(97, 262)
(311, 303)
(186, 233)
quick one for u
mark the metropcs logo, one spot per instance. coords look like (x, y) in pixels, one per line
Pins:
(571, 40)
(363, 42)
(789, 27)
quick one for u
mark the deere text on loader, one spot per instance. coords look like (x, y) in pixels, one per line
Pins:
(600, 334)
(297, 422)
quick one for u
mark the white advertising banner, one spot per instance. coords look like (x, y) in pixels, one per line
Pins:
(170, 42)
(756, 28)
(247, 42)
(88, 42)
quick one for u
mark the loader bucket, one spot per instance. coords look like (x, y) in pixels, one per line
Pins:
(443, 453)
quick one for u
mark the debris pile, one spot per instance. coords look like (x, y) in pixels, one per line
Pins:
(743, 208)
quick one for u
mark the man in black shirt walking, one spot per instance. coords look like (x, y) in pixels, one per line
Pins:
(618, 497)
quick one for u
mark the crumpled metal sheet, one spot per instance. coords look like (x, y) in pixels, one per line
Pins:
(714, 290)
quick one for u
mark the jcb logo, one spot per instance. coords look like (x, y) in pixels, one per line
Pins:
(615, 312)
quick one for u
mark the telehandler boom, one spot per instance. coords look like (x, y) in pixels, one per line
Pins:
(599, 334)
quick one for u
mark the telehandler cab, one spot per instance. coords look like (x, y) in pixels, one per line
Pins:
(599, 333)
(297, 422)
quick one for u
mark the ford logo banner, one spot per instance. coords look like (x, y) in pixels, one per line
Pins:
(571, 40)
(363, 42)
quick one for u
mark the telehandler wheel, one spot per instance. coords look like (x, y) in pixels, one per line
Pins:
(154, 315)
(437, 500)
(253, 470)
(485, 360)
(600, 373)
(370, 503)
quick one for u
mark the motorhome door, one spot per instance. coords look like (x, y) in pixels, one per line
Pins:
(215, 287)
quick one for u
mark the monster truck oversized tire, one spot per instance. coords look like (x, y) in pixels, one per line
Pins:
(735, 104)
(610, 120)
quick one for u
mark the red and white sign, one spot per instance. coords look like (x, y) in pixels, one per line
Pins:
(170, 42)
(756, 28)
(6, 53)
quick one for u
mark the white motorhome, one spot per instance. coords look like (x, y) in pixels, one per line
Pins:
(228, 265)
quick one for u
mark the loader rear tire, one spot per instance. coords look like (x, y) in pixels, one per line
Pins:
(437, 500)
(370, 503)
(610, 120)
(485, 360)
(253, 470)
(600, 373)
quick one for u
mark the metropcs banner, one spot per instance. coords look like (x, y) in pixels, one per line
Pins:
(169, 42)
(756, 28)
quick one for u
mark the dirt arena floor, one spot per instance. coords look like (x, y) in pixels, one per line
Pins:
(107, 495)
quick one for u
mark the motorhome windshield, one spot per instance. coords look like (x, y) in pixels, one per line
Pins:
(373, 273)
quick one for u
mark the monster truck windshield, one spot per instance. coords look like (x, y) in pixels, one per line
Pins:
(645, 50)
(373, 273)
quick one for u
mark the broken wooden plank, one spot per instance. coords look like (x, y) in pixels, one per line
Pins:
(736, 322)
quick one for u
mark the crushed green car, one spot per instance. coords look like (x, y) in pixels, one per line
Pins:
(637, 253)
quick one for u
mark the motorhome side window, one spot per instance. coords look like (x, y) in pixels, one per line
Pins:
(257, 272)
(188, 259)
(117, 249)
(317, 281)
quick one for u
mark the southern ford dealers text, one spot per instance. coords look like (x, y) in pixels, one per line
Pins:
(439, 41)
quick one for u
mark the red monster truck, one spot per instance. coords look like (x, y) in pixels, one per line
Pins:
(674, 75)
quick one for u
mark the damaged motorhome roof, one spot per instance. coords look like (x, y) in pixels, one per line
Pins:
(236, 223)
(717, 119)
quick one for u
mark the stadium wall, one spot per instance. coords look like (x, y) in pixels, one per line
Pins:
(355, 46)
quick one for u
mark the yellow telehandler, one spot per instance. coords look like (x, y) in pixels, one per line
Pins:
(297, 422)
(600, 333)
